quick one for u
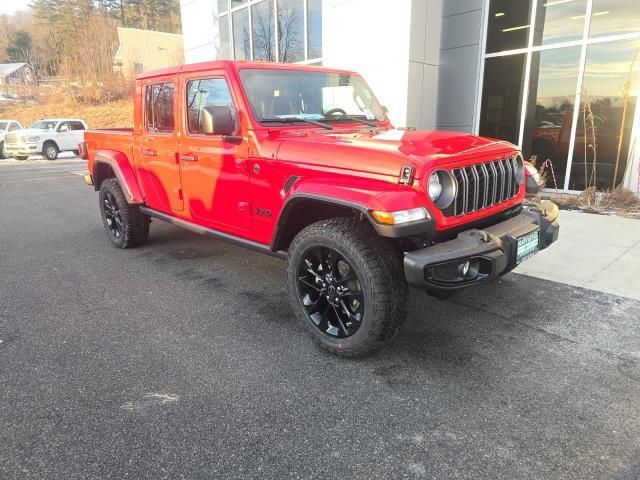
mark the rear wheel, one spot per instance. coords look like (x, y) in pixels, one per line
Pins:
(50, 151)
(125, 225)
(347, 286)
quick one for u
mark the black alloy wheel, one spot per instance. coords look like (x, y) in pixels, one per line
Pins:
(112, 215)
(125, 225)
(330, 292)
(346, 285)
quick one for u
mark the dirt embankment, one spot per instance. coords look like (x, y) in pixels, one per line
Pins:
(118, 113)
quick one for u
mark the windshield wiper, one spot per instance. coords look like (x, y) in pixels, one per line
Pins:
(354, 119)
(297, 119)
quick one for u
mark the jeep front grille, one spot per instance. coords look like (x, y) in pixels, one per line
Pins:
(482, 185)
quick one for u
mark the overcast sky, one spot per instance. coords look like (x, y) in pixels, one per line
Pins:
(11, 6)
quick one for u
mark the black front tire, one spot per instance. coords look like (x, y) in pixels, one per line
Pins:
(380, 278)
(126, 226)
(50, 151)
(3, 153)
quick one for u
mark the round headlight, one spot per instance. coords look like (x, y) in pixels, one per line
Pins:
(441, 188)
(435, 187)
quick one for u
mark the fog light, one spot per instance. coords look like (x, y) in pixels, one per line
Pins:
(464, 268)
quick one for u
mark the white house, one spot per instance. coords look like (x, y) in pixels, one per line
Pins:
(17, 74)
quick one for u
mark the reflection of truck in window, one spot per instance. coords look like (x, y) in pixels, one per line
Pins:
(550, 139)
(302, 163)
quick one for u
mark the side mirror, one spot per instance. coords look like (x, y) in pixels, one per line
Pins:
(217, 121)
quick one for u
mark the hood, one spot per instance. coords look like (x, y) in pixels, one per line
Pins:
(385, 152)
(27, 132)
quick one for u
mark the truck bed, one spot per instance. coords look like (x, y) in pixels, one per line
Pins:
(117, 139)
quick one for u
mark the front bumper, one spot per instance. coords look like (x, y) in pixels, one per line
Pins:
(491, 252)
(22, 149)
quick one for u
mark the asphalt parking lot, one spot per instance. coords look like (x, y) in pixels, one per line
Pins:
(182, 359)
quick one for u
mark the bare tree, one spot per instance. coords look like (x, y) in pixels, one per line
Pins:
(263, 32)
(625, 95)
(289, 33)
(290, 28)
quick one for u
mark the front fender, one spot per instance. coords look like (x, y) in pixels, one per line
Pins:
(369, 194)
(361, 195)
(122, 169)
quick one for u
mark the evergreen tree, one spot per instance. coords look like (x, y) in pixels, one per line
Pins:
(20, 46)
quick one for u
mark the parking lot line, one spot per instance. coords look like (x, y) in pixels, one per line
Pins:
(38, 179)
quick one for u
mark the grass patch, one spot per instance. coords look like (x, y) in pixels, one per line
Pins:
(117, 113)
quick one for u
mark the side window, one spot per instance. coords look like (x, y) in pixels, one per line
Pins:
(77, 126)
(64, 127)
(209, 94)
(158, 101)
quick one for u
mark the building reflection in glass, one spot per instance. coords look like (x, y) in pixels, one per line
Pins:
(609, 96)
(548, 121)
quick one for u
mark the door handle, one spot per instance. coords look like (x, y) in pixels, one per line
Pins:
(150, 152)
(188, 157)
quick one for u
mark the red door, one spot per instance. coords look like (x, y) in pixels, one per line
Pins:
(215, 177)
(157, 147)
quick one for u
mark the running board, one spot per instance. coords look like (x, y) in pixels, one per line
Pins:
(227, 237)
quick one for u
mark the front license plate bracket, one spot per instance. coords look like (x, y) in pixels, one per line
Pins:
(527, 246)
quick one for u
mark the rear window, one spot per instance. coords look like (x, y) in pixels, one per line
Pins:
(159, 116)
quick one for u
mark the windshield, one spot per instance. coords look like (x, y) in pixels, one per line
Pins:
(3, 126)
(282, 94)
(44, 125)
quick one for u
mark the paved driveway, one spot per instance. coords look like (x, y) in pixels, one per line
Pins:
(181, 359)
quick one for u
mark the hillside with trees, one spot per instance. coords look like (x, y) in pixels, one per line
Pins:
(71, 44)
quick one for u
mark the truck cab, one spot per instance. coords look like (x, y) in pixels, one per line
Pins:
(302, 163)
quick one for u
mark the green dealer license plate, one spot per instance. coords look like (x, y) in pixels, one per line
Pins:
(528, 246)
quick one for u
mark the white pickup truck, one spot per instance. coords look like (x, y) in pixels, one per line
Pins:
(7, 126)
(47, 137)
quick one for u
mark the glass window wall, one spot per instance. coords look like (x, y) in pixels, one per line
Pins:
(501, 97)
(609, 97)
(271, 30)
(241, 41)
(580, 52)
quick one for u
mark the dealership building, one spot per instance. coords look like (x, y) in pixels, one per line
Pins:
(558, 78)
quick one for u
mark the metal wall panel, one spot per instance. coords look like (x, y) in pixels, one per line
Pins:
(461, 42)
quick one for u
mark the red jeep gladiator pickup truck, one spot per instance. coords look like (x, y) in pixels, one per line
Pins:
(302, 163)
